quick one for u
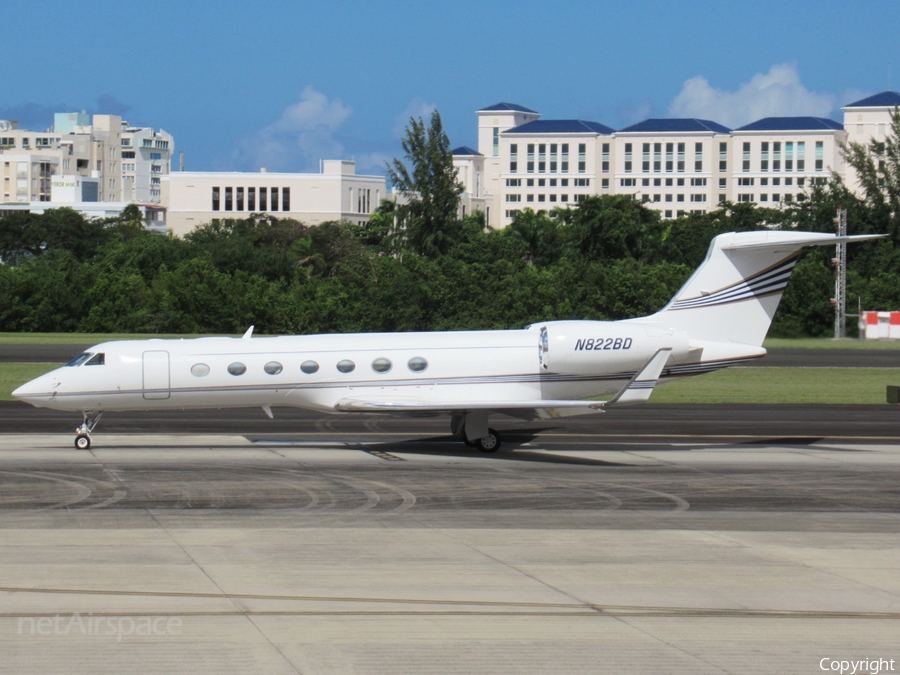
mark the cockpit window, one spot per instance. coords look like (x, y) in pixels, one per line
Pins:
(97, 360)
(78, 360)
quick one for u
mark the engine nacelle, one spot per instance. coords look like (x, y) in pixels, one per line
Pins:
(606, 347)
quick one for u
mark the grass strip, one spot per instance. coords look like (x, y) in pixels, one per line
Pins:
(781, 385)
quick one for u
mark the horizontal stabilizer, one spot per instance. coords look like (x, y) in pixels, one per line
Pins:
(640, 387)
(797, 240)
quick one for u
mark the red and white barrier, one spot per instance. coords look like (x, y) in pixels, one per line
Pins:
(879, 325)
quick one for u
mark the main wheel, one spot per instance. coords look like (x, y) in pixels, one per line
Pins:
(489, 443)
(82, 442)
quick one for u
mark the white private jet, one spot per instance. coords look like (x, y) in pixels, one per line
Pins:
(552, 369)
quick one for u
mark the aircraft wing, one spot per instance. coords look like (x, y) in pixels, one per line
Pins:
(637, 390)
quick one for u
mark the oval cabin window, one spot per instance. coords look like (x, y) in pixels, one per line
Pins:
(237, 368)
(309, 367)
(381, 365)
(200, 370)
(417, 364)
(346, 366)
(273, 367)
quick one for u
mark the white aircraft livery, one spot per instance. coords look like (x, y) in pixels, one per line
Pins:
(552, 369)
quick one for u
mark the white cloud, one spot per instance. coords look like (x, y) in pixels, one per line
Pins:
(303, 135)
(417, 108)
(776, 93)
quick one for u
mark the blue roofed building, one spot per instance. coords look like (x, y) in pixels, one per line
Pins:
(866, 120)
(675, 165)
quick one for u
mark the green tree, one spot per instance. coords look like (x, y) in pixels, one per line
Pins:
(429, 218)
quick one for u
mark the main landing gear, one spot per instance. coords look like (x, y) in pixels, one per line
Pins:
(468, 425)
(83, 433)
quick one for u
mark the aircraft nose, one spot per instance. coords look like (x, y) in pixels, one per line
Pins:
(40, 387)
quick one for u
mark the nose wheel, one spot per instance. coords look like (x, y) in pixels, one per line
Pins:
(489, 443)
(83, 433)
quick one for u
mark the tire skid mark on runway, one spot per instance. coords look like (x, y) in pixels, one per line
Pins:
(82, 491)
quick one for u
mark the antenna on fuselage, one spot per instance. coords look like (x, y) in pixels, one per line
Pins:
(248, 334)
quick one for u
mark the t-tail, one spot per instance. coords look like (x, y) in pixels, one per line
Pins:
(733, 295)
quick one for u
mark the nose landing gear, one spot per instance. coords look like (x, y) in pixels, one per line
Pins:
(83, 433)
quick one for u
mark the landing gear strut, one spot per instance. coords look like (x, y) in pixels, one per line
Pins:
(83, 433)
(488, 442)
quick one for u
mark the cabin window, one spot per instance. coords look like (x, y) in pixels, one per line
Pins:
(309, 367)
(78, 360)
(97, 360)
(417, 364)
(346, 366)
(381, 365)
(237, 368)
(200, 370)
(273, 367)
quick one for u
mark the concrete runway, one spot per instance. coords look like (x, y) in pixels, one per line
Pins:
(369, 545)
(807, 358)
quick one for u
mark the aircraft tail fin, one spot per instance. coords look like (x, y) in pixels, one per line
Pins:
(733, 295)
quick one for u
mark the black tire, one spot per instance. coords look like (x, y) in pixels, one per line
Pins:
(82, 442)
(489, 443)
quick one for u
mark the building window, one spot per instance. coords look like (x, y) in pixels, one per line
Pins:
(564, 161)
(513, 198)
(764, 157)
(513, 158)
(801, 182)
(679, 198)
(820, 154)
(789, 156)
(511, 213)
(286, 199)
(743, 182)
(155, 155)
(530, 160)
(513, 182)
(670, 154)
(645, 158)
(564, 198)
(657, 157)
(542, 158)
(628, 158)
(698, 182)
(262, 199)
(746, 160)
(239, 199)
(552, 198)
(722, 198)
(582, 182)
(496, 136)
(529, 198)
(542, 198)
(251, 199)
(776, 156)
(215, 199)
(604, 183)
(604, 158)
(698, 197)
(698, 157)
(582, 157)
(723, 156)
(743, 197)
(681, 158)
(723, 183)
(564, 182)
(229, 199)
(273, 201)
(553, 157)
(801, 156)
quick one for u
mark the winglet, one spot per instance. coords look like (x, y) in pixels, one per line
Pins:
(248, 334)
(640, 386)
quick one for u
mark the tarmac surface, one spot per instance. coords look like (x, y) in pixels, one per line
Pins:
(670, 539)
(807, 358)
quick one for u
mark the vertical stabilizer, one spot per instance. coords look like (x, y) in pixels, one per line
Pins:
(733, 295)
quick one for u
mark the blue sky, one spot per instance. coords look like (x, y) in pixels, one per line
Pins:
(284, 84)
